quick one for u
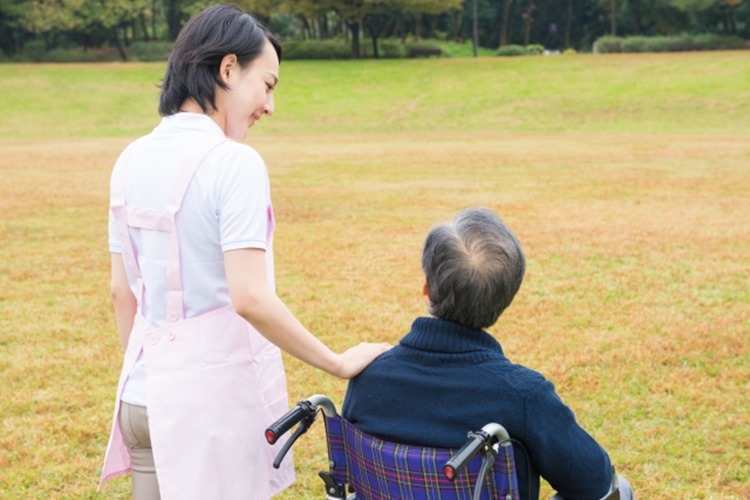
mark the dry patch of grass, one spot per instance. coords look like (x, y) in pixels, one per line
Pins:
(636, 301)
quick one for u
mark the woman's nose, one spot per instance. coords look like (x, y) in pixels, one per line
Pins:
(268, 108)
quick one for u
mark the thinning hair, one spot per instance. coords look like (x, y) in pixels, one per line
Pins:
(474, 266)
(193, 65)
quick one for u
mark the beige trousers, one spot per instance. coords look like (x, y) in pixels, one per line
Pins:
(135, 433)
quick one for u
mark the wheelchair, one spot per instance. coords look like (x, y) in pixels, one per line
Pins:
(365, 467)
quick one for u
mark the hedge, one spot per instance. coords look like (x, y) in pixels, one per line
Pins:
(681, 43)
(511, 50)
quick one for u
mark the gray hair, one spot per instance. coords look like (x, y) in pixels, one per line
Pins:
(474, 265)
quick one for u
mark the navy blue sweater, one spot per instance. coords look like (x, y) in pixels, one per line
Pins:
(444, 380)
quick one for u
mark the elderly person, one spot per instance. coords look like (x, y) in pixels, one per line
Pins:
(449, 376)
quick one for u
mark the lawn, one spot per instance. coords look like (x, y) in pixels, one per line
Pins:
(626, 178)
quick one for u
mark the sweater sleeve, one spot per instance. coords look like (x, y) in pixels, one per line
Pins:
(565, 455)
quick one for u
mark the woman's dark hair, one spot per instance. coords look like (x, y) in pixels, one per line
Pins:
(474, 265)
(193, 66)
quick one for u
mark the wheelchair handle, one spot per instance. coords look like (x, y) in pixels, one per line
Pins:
(478, 441)
(301, 410)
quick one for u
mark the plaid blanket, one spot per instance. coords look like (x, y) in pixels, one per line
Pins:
(379, 469)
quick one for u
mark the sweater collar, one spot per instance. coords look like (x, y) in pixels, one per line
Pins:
(439, 335)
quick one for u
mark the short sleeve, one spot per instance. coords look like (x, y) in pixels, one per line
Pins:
(243, 198)
(115, 245)
(114, 237)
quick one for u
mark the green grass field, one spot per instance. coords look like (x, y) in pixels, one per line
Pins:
(627, 179)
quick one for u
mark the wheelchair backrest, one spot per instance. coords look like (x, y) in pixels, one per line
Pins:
(379, 469)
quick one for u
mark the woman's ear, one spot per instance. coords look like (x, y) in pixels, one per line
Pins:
(228, 64)
(426, 293)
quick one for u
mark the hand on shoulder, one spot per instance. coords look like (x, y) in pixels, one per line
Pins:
(356, 359)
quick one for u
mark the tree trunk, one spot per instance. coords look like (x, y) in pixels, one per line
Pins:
(144, 26)
(354, 28)
(399, 31)
(305, 27)
(505, 23)
(613, 17)
(433, 25)
(153, 18)
(568, 25)
(635, 9)
(173, 18)
(115, 36)
(458, 21)
(323, 27)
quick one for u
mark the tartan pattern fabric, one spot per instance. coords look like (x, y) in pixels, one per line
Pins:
(379, 469)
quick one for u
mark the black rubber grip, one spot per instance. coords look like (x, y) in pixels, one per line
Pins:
(287, 421)
(462, 457)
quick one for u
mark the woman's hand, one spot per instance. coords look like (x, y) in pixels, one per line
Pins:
(355, 359)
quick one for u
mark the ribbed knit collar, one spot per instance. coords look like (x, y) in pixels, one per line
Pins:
(441, 336)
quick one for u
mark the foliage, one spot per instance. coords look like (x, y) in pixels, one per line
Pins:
(534, 49)
(554, 24)
(388, 49)
(512, 50)
(423, 49)
(149, 51)
(70, 56)
(317, 49)
(681, 43)
(33, 51)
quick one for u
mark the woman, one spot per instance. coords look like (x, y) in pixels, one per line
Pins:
(190, 234)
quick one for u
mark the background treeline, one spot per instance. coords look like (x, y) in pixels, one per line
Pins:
(143, 29)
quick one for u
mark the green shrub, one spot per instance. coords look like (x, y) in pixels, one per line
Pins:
(149, 51)
(679, 43)
(638, 44)
(511, 50)
(317, 49)
(607, 45)
(392, 49)
(534, 49)
(719, 42)
(69, 56)
(569, 52)
(33, 51)
(285, 25)
(387, 49)
(423, 49)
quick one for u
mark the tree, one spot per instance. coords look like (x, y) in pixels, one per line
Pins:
(505, 24)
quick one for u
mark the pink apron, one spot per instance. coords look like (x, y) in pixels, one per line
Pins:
(213, 383)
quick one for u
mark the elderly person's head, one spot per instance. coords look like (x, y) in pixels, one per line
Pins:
(473, 267)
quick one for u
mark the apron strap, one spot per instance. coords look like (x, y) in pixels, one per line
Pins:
(175, 309)
(128, 217)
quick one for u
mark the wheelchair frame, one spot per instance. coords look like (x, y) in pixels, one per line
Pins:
(485, 441)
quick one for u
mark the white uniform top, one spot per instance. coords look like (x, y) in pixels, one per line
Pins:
(225, 208)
